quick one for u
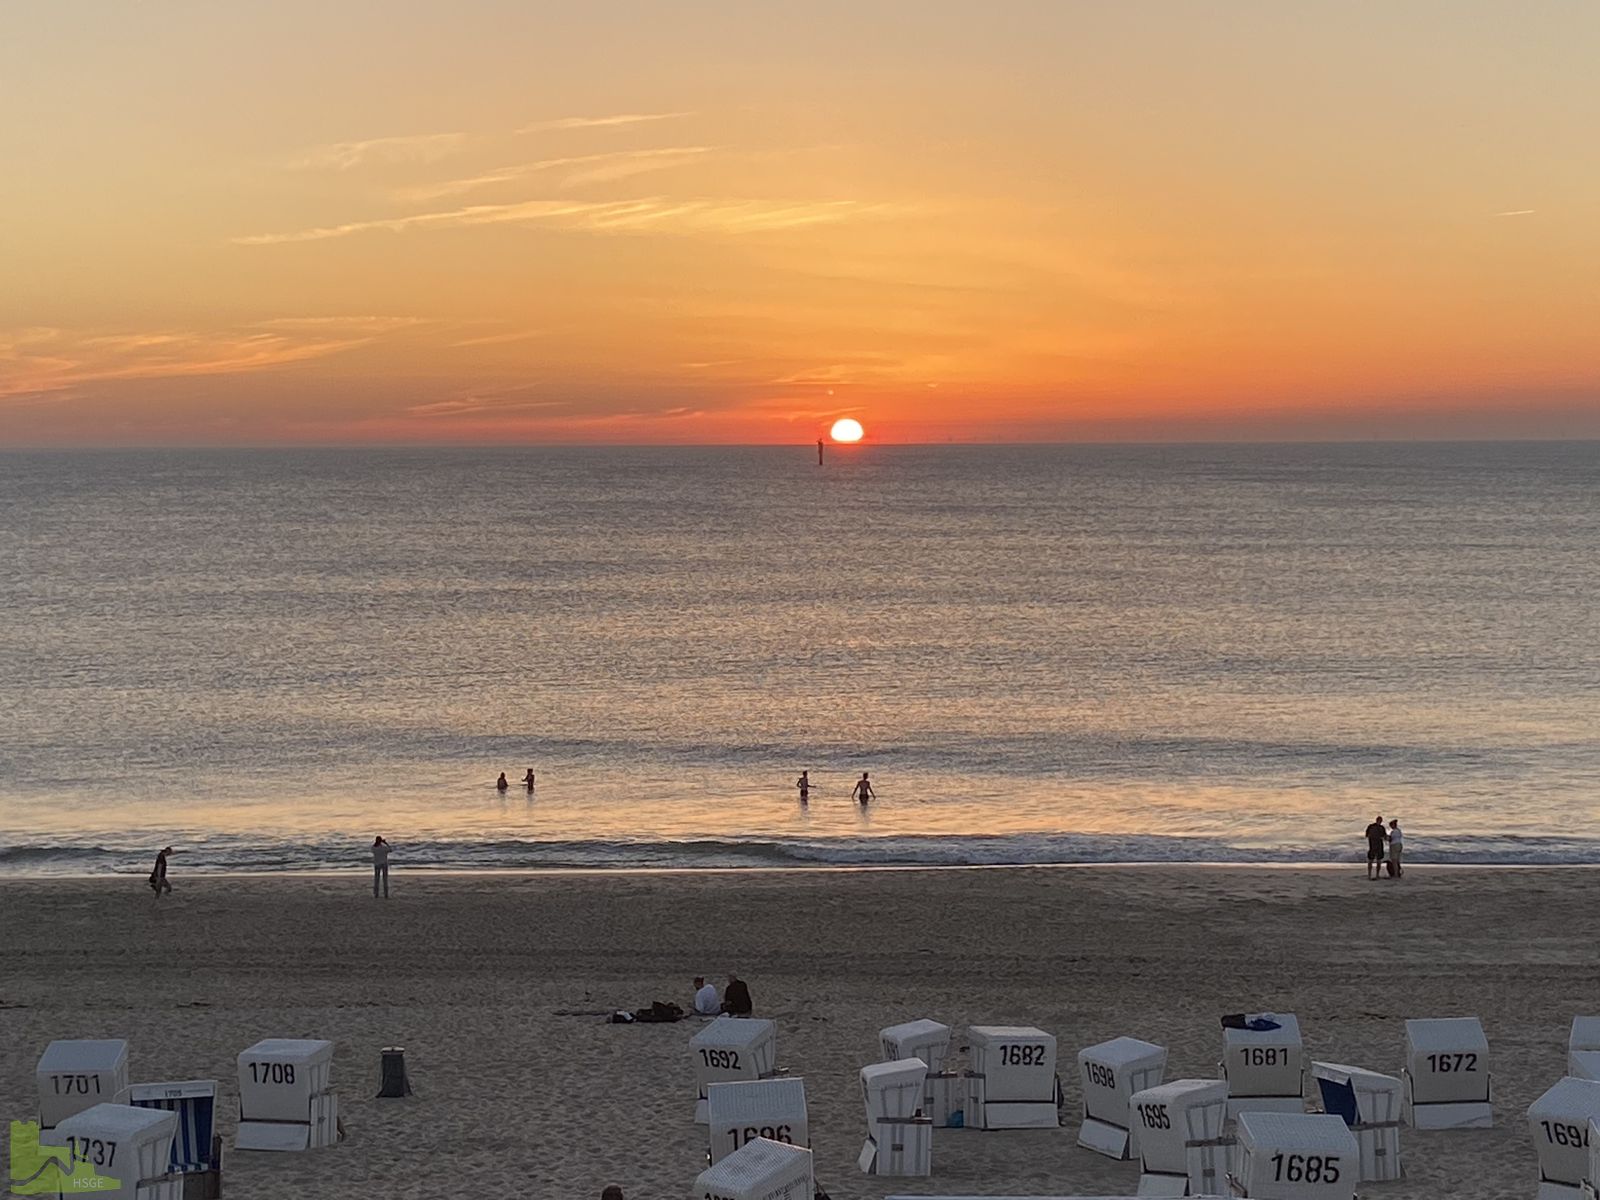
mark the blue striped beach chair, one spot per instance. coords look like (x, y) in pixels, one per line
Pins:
(197, 1147)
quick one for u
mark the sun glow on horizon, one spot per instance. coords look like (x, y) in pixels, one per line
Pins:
(846, 429)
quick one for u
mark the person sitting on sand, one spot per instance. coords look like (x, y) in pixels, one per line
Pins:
(705, 997)
(611, 1193)
(501, 784)
(158, 875)
(1396, 844)
(527, 780)
(736, 998)
(863, 789)
(1375, 837)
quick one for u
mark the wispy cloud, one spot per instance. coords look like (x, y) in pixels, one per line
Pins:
(616, 164)
(1518, 212)
(497, 339)
(35, 361)
(407, 148)
(619, 216)
(366, 324)
(601, 122)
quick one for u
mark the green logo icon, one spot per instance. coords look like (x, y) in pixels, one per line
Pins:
(47, 1170)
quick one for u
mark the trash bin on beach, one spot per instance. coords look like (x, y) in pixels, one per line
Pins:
(1111, 1073)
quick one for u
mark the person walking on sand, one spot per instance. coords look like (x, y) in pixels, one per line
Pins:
(501, 784)
(158, 875)
(863, 790)
(527, 780)
(1375, 839)
(1396, 846)
(804, 784)
(380, 866)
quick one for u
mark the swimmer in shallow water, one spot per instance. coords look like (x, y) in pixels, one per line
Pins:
(501, 784)
(863, 790)
(527, 780)
(804, 784)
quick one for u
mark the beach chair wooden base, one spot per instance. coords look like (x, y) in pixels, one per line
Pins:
(1105, 1138)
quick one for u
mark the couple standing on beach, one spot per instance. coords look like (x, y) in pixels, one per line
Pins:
(1377, 835)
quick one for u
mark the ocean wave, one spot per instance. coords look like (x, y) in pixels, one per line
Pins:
(215, 855)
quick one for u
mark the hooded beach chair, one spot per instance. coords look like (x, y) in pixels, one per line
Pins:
(129, 1149)
(899, 1134)
(286, 1099)
(1265, 1065)
(1012, 1082)
(732, 1050)
(1179, 1138)
(76, 1075)
(1295, 1156)
(944, 1092)
(737, 1113)
(1560, 1123)
(1369, 1103)
(759, 1170)
(1447, 1080)
(196, 1144)
(1111, 1073)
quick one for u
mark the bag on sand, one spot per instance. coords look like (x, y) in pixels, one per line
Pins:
(1389, 867)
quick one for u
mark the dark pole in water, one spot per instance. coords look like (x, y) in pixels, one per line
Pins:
(819, 452)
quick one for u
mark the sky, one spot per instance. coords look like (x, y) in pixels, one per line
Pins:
(497, 222)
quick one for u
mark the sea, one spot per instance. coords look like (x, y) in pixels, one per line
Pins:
(1041, 654)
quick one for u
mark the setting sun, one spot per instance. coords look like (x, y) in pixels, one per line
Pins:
(846, 429)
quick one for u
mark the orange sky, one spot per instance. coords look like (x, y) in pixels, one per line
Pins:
(704, 222)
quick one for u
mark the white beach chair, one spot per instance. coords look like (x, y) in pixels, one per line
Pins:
(1265, 1068)
(1111, 1073)
(1591, 1178)
(1583, 1048)
(899, 1136)
(196, 1147)
(1182, 1150)
(286, 1098)
(731, 1050)
(1295, 1156)
(774, 1109)
(77, 1075)
(1447, 1080)
(130, 1148)
(1369, 1103)
(1559, 1121)
(945, 1091)
(758, 1170)
(1012, 1082)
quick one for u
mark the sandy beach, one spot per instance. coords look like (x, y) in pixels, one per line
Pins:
(468, 971)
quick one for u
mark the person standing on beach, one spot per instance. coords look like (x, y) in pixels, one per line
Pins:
(863, 790)
(804, 784)
(380, 866)
(1396, 845)
(1375, 839)
(158, 875)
